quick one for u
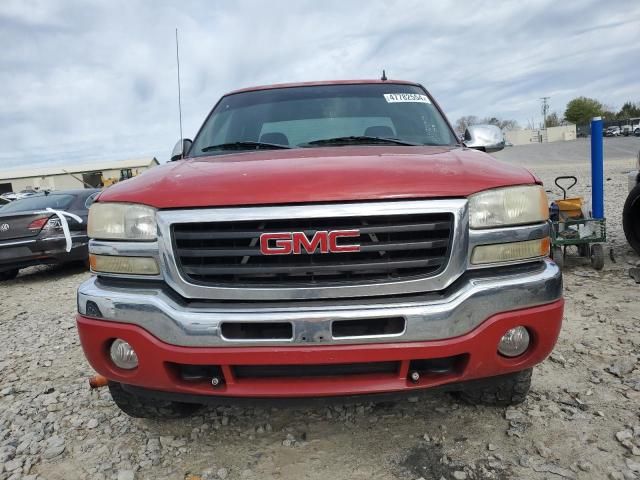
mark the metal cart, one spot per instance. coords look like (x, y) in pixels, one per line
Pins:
(583, 233)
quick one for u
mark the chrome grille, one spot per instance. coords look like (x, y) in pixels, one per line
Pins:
(392, 247)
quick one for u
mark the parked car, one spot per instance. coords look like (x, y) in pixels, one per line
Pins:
(31, 235)
(321, 239)
(11, 196)
(612, 132)
(631, 210)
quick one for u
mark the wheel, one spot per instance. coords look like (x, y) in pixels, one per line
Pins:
(636, 132)
(502, 391)
(597, 256)
(558, 256)
(143, 407)
(631, 218)
(9, 274)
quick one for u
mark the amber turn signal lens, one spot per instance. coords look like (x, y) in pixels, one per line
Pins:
(124, 265)
(509, 252)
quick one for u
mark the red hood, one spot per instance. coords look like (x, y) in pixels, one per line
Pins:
(336, 174)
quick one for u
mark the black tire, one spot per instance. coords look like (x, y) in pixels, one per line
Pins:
(9, 274)
(557, 253)
(597, 256)
(143, 407)
(631, 218)
(501, 391)
(636, 132)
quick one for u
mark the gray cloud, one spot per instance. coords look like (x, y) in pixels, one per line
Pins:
(92, 80)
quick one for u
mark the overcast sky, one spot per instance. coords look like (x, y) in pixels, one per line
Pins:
(84, 81)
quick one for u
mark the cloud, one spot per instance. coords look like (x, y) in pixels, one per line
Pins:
(84, 81)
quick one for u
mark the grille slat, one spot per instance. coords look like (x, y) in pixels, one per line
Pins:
(343, 267)
(186, 234)
(392, 248)
(372, 247)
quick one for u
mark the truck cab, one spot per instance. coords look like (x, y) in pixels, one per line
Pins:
(325, 239)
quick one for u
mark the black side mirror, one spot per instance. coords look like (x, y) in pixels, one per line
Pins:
(181, 149)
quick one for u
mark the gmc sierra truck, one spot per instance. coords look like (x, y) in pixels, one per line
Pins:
(316, 240)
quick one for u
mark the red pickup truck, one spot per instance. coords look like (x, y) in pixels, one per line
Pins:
(326, 239)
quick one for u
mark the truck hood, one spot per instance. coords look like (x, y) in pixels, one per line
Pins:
(334, 174)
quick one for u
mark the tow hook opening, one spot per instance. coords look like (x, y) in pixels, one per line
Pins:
(201, 373)
(424, 369)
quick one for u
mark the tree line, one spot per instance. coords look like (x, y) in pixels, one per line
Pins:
(580, 111)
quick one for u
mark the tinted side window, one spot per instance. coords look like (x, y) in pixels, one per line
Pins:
(39, 202)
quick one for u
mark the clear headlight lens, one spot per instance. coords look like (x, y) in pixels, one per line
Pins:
(121, 221)
(509, 206)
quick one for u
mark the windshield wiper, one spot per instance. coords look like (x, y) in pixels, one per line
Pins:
(244, 145)
(358, 140)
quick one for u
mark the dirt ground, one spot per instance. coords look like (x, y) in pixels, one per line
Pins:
(581, 420)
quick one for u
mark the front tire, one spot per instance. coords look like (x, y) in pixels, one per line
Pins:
(143, 407)
(631, 218)
(501, 391)
(9, 274)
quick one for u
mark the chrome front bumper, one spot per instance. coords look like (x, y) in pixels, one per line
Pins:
(431, 316)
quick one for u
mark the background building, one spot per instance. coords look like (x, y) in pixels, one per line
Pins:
(61, 177)
(551, 134)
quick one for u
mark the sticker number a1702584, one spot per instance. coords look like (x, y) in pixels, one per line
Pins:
(406, 97)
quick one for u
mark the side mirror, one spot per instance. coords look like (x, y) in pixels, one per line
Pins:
(181, 149)
(487, 138)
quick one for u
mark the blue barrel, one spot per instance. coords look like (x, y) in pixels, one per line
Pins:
(597, 169)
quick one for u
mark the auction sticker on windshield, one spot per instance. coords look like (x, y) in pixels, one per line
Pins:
(406, 97)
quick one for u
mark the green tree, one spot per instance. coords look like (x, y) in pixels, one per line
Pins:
(629, 110)
(582, 109)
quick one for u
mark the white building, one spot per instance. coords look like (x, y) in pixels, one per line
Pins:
(63, 177)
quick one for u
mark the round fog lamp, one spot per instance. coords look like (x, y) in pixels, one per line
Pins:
(515, 342)
(123, 354)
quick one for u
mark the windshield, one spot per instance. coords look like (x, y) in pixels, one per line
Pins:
(299, 116)
(38, 202)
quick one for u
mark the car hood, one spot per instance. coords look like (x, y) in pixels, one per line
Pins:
(333, 174)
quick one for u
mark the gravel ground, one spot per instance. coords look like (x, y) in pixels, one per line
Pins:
(581, 420)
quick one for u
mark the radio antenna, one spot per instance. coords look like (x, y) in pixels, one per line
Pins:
(179, 95)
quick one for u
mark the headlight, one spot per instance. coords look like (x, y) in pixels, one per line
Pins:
(121, 221)
(509, 206)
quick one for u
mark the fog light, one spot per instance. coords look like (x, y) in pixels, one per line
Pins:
(515, 342)
(123, 354)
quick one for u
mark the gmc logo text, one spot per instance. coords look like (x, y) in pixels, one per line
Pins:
(286, 243)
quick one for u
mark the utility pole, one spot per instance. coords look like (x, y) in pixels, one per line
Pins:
(545, 109)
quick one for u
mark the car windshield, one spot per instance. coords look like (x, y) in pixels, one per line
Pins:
(323, 116)
(38, 202)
